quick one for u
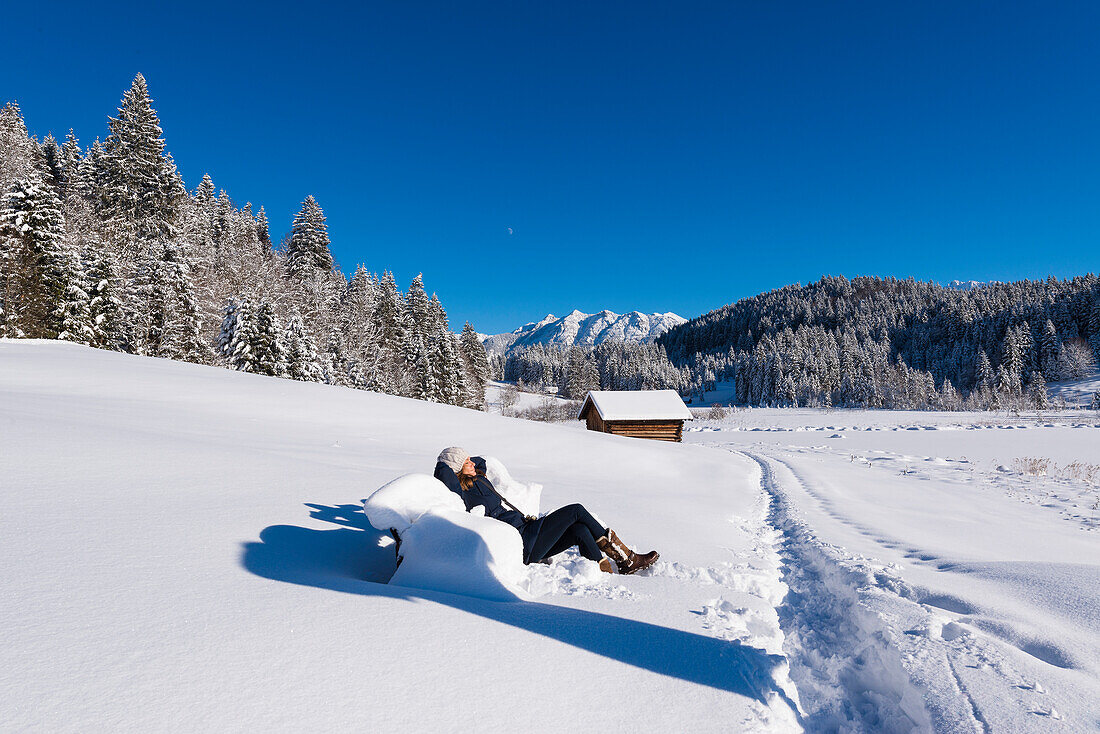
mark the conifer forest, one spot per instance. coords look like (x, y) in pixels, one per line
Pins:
(887, 343)
(102, 244)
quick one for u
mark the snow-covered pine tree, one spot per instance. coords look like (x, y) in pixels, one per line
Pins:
(1095, 405)
(75, 311)
(448, 373)
(267, 351)
(949, 397)
(360, 332)
(983, 373)
(205, 193)
(105, 304)
(308, 250)
(223, 211)
(18, 153)
(421, 349)
(300, 352)
(418, 308)
(39, 272)
(238, 335)
(1012, 356)
(1049, 347)
(477, 365)
(424, 385)
(70, 165)
(50, 157)
(263, 233)
(1037, 391)
(1028, 360)
(176, 328)
(394, 337)
(90, 175)
(141, 190)
(1094, 328)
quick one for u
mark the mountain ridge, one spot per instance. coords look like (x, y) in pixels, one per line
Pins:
(579, 328)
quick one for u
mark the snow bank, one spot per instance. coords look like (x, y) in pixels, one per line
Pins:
(399, 504)
(443, 547)
(462, 553)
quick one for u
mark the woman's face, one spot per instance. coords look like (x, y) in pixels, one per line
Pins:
(468, 468)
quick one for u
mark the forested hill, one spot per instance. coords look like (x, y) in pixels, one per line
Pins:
(882, 342)
(104, 246)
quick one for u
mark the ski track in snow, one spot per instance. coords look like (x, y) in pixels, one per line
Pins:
(868, 652)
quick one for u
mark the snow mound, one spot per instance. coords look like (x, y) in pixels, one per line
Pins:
(570, 574)
(397, 505)
(444, 548)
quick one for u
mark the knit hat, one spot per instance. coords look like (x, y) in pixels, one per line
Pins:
(454, 457)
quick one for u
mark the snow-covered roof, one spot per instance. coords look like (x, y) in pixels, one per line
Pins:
(636, 405)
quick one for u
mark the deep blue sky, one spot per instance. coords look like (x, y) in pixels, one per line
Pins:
(670, 156)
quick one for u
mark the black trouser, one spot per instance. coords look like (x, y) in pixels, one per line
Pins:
(569, 526)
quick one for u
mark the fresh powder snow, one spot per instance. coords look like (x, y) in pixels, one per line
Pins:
(188, 548)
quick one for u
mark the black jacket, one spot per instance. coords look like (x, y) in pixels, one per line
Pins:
(482, 492)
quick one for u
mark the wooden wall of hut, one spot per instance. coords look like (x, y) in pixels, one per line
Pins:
(657, 430)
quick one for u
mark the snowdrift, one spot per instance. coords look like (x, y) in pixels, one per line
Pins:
(443, 547)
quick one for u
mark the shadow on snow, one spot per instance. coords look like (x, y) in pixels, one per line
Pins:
(352, 559)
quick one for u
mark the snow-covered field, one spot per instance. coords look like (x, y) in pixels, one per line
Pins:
(524, 401)
(185, 550)
(948, 559)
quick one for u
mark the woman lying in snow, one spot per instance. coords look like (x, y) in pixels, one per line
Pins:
(544, 536)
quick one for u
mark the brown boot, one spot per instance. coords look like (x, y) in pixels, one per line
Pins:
(627, 560)
(605, 565)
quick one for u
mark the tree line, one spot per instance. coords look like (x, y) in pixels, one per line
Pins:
(104, 246)
(574, 371)
(888, 343)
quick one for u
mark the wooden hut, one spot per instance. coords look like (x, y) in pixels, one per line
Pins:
(656, 414)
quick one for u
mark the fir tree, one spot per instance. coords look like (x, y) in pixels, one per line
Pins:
(477, 366)
(141, 188)
(267, 351)
(1012, 355)
(38, 270)
(237, 336)
(419, 311)
(301, 358)
(1094, 328)
(424, 384)
(263, 233)
(175, 325)
(1037, 391)
(18, 153)
(308, 250)
(105, 304)
(90, 175)
(1049, 348)
(70, 165)
(51, 163)
(204, 194)
(448, 375)
(983, 372)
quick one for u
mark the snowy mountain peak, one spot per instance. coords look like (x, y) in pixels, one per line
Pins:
(585, 329)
